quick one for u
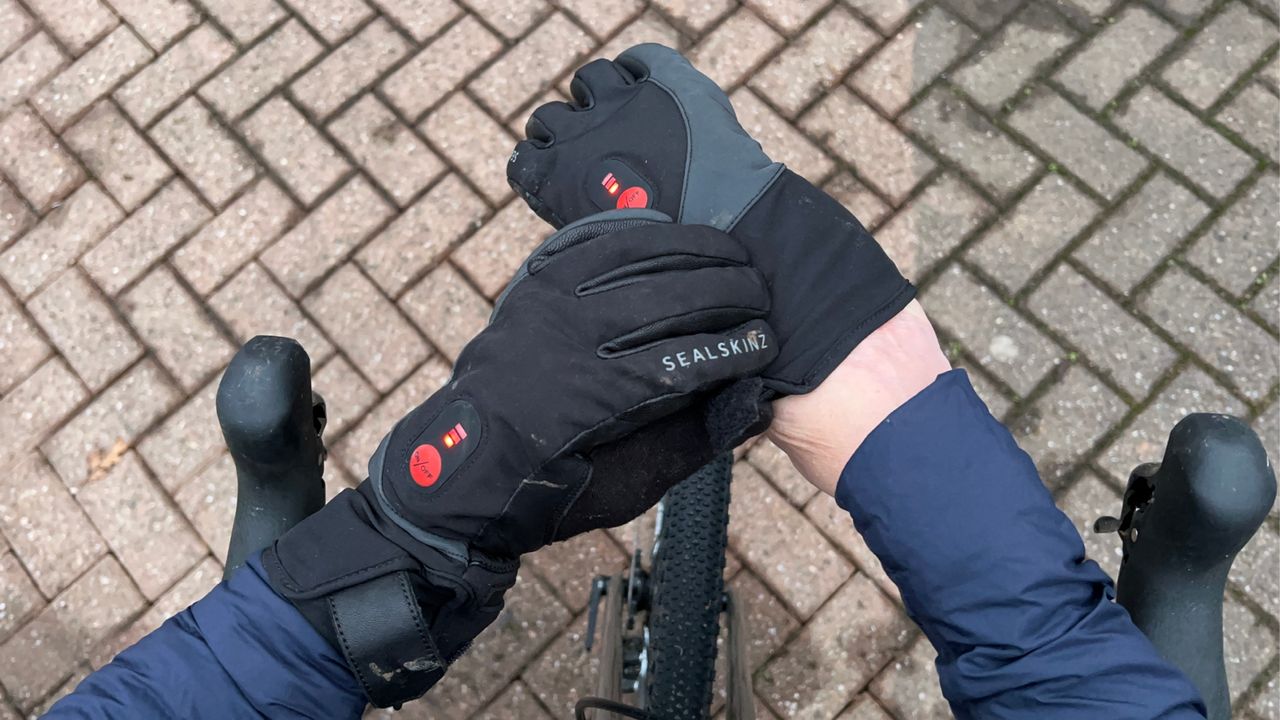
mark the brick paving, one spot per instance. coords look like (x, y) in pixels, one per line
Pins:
(1086, 192)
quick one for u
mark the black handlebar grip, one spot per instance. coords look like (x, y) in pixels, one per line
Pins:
(272, 423)
(1182, 524)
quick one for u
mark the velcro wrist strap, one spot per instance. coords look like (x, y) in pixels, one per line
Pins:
(385, 640)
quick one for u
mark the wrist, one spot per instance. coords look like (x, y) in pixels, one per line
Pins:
(821, 430)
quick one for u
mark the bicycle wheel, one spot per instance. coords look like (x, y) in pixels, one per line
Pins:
(687, 594)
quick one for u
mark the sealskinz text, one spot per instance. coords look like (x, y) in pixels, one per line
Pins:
(754, 341)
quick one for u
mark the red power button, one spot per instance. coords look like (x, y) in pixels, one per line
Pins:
(633, 197)
(424, 465)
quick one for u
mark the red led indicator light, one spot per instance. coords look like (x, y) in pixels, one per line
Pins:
(610, 184)
(455, 436)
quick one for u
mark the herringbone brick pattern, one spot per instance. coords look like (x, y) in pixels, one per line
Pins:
(1085, 190)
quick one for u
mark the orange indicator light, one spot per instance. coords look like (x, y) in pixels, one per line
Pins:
(455, 436)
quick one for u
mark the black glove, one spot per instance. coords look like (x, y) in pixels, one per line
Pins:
(581, 403)
(648, 130)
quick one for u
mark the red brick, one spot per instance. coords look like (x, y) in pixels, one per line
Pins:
(24, 346)
(933, 224)
(438, 68)
(48, 531)
(35, 161)
(386, 148)
(117, 155)
(157, 21)
(21, 598)
(789, 15)
(252, 304)
(293, 147)
(835, 523)
(517, 702)
(602, 19)
(780, 139)
(37, 659)
(367, 327)
(512, 18)
(209, 502)
(258, 72)
(570, 565)
(97, 603)
(77, 23)
(531, 618)
(245, 19)
(59, 239)
(474, 142)
(447, 309)
(532, 66)
(169, 320)
(490, 256)
(179, 69)
(249, 224)
(185, 441)
(696, 15)
(15, 23)
(324, 237)
(734, 48)
(883, 156)
(82, 326)
(837, 653)
(422, 235)
(912, 59)
(421, 18)
(347, 395)
(780, 547)
(815, 61)
(166, 220)
(347, 70)
(15, 217)
(333, 19)
(565, 671)
(909, 685)
(151, 538)
(206, 153)
(115, 418)
(23, 72)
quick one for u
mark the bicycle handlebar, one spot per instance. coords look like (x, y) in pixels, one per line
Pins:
(272, 423)
(1182, 524)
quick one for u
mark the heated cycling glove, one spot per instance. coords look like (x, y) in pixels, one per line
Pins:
(598, 384)
(649, 131)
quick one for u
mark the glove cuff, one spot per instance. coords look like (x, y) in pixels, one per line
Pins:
(399, 611)
(832, 283)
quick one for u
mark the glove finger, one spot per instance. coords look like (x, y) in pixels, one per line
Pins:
(599, 81)
(553, 119)
(667, 305)
(639, 59)
(605, 249)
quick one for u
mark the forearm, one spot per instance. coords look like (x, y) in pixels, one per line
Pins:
(995, 574)
(241, 651)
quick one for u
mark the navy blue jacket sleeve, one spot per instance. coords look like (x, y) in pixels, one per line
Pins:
(240, 652)
(995, 574)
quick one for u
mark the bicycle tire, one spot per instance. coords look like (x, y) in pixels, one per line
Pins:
(687, 594)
